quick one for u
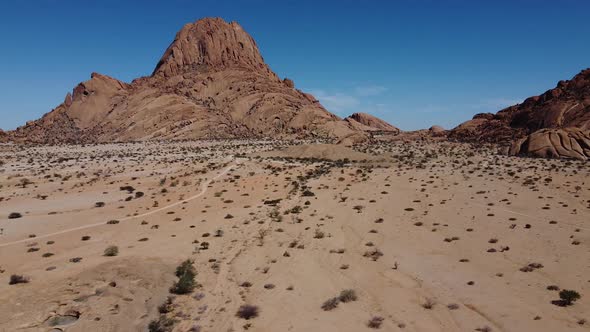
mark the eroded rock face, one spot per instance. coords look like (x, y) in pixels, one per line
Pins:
(370, 123)
(211, 82)
(211, 43)
(555, 143)
(561, 111)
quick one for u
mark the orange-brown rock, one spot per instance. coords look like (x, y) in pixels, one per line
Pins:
(531, 128)
(211, 82)
(553, 143)
(368, 122)
(211, 44)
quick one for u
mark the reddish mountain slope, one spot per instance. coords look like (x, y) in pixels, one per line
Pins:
(211, 82)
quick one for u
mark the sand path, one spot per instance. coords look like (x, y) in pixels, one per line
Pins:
(204, 188)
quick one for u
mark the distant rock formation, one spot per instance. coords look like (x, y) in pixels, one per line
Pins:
(369, 122)
(555, 124)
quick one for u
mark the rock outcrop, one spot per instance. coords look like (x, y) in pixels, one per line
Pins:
(211, 82)
(437, 131)
(554, 124)
(368, 122)
(212, 44)
(555, 143)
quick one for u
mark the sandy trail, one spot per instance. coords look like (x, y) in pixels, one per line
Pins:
(204, 188)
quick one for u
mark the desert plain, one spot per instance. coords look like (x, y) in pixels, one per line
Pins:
(291, 236)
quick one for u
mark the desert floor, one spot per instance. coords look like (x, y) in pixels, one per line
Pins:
(424, 236)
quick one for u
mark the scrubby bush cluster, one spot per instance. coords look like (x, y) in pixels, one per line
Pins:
(186, 274)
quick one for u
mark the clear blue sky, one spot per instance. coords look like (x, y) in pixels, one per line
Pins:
(414, 63)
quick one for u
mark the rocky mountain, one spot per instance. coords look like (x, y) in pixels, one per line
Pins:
(554, 124)
(211, 82)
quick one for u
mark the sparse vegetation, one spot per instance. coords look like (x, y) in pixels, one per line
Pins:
(14, 215)
(111, 251)
(162, 324)
(186, 283)
(18, 279)
(247, 311)
(375, 322)
(567, 297)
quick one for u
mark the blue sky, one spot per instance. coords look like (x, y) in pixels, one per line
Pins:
(414, 63)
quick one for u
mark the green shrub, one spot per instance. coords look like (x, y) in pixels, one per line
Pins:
(247, 311)
(162, 324)
(184, 267)
(331, 304)
(347, 295)
(569, 296)
(186, 274)
(18, 279)
(111, 251)
(14, 215)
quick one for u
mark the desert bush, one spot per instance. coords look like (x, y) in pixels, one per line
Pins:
(18, 279)
(247, 311)
(162, 324)
(185, 267)
(318, 234)
(185, 284)
(186, 278)
(167, 306)
(568, 297)
(375, 322)
(347, 295)
(484, 329)
(307, 193)
(453, 306)
(374, 254)
(111, 251)
(331, 304)
(14, 215)
(428, 304)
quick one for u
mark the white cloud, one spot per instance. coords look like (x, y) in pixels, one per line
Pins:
(350, 100)
(337, 102)
(369, 90)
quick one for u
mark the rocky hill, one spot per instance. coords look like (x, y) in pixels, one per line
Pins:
(368, 122)
(211, 82)
(554, 124)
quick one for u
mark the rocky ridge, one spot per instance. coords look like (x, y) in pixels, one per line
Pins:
(554, 124)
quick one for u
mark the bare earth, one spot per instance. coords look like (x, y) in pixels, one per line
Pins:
(428, 237)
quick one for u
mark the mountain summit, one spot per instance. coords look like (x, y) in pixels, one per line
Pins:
(211, 82)
(211, 44)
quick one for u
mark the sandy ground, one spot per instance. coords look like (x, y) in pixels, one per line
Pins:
(429, 237)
